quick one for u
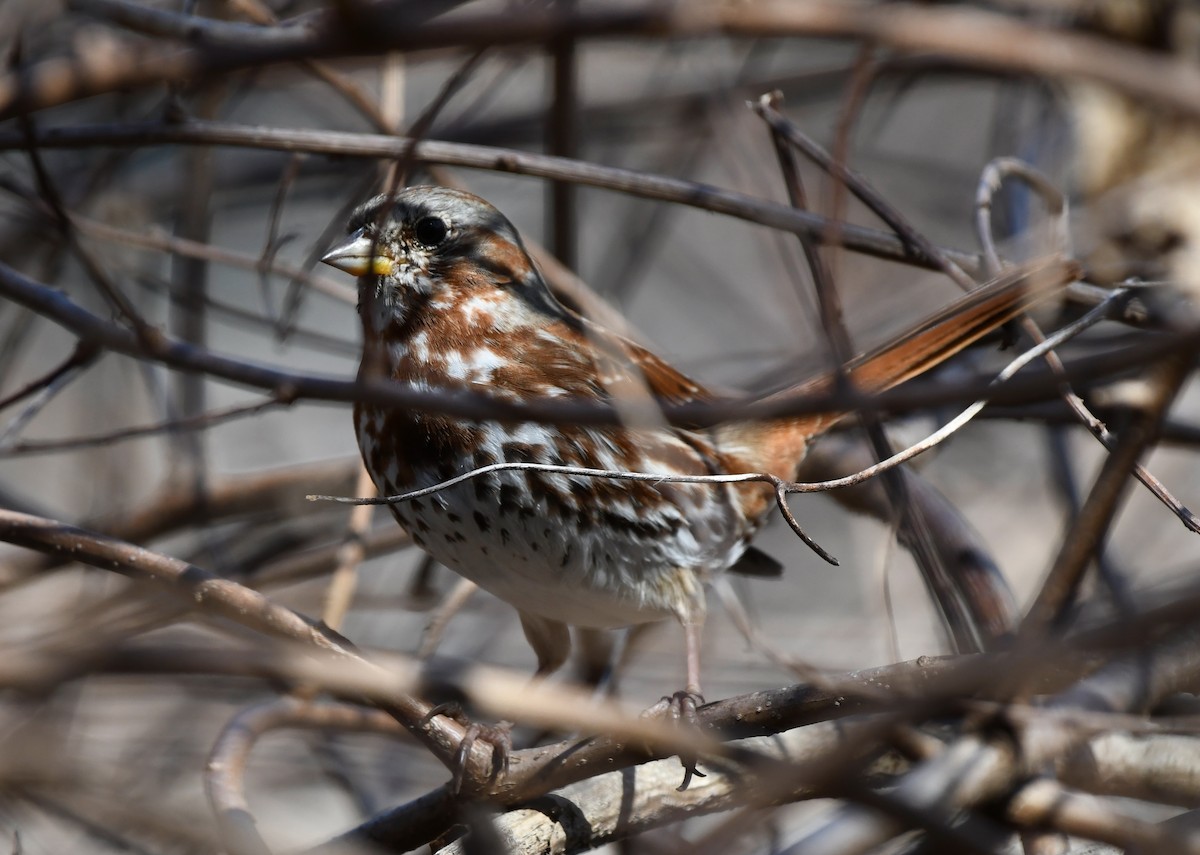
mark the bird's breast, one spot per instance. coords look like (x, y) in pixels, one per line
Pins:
(593, 551)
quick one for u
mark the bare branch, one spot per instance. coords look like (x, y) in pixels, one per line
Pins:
(657, 187)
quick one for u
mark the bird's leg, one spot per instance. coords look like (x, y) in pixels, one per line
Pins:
(498, 735)
(596, 663)
(692, 631)
(681, 706)
(691, 617)
(684, 704)
(550, 640)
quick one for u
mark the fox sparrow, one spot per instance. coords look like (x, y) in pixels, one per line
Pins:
(450, 300)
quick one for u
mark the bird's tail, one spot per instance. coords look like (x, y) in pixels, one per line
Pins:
(779, 446)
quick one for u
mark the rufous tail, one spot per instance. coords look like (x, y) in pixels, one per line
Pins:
(778, 446)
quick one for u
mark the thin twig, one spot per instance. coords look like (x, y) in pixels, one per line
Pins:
(340, 592)
(225, 771)
(158, 240)
(1099, 509)
(201, 421)
(990, 181)
(81, 356)
(374, 146)
(62, 220)
(43, 390)
(921, 247)
(782, 486)
(291, 385)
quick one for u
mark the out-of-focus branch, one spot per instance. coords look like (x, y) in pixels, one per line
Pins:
(340, 591)
(209, 592)
(1046, 804)
(316, 562)
(290, 385)
(617, 805)
(219, 597)
(1091, 526)
(976, 767)
(225, 771)
(280, 490)
(1159, 767)
(658, 187)
(536, 771)
(960, 550)
(974, 37)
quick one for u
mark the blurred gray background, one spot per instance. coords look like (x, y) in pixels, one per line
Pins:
(728, 301)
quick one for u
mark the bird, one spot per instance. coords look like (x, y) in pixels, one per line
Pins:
(450, 301)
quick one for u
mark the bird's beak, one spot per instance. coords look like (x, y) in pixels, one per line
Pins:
(361, 255)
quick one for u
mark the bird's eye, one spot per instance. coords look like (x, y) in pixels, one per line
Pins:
(430, 231)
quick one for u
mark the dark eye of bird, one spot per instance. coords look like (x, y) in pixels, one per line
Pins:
(430, 231)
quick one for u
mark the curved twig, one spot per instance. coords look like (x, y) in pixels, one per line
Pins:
(990, 181)
(225, 770)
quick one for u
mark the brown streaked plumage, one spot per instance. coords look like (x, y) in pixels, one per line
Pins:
(450, 300)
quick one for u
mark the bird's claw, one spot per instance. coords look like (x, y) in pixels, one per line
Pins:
(498, 735)
(680, 708)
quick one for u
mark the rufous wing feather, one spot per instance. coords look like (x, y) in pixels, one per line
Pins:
(665, 382)
(959, 325)
(778, 446)
(625, 368)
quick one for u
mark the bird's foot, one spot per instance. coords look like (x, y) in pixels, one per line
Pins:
(680, 708)
(498, 736)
